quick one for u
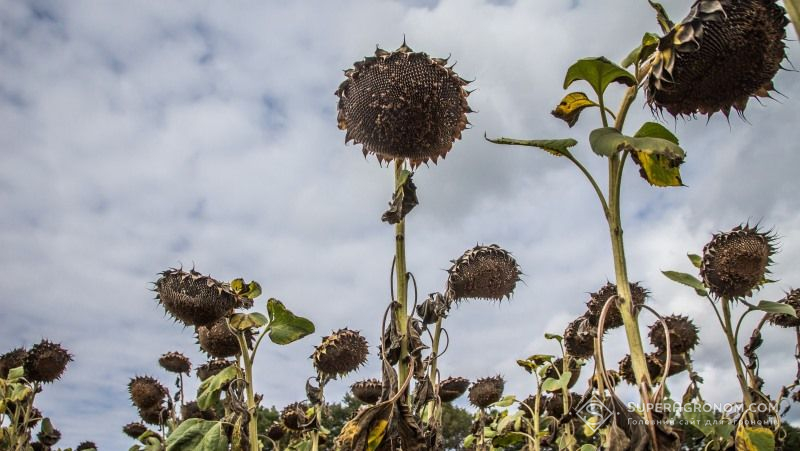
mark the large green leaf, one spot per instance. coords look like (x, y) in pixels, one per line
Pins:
(658, 157)
(213, 440)
(599, 72)
(209, 390)
(284, 326)
(190, 434)
(655, 130)
(754, 439)
(776, 307)
(551, 384)
(793, 8)
(245, 321)
(557, 147)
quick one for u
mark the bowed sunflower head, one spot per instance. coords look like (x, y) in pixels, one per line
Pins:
(736, 263)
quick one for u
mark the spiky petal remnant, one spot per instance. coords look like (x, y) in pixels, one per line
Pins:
(452, 388)
(367, 391)
(486, 391)
(10, 360)
(146, 392)
(613, 317)
(579, 338)
(793, 299)
(46, 362)
(175, 362)
(682, 334)
(340, 353)
(735, 263)
(211, 368)
(483, 272)
(195, 299)
(721, 54)
(294, 417)
(134, 430)
(403, 105)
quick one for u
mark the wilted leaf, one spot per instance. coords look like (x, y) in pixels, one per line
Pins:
(209, 390)
(508, 439)
(643, 51)
(754, 439)
(659, 158)
(777, 308)
(15, 373)
(571, 106)
(685, 279)
(599, 72)
(245, 321)
(557, 147)
(284, 326)
(506, 401)
(250, 291)
(189, 435)
(213, 440)
(367, 430)
(403, 201)
(662, 17)
(549, 336)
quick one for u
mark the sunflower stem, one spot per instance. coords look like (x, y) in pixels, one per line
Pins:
(401, 312)
(252, 424)
(433, 411)
(737, 364)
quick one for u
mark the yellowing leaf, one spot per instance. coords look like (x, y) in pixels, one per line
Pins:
(754, 439)
(376, 434)
(654, 150)
(658, 170)
(571, 106)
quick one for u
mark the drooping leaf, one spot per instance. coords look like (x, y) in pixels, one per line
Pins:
(643, 51)
(250, 291)
(777, 308)
(284, 326)
(685, 279)
(209, 390)
(245, 321)
(658, 158)
(661, 15)
(403, 201)
(551, 384)
(549, 336)
(696, 260)
(658, 169)
(571, 106)
(656, 130)
(189, 434)
(754, 439)
(533, 362)
(15, 374)
(367, 430)
(508, 439)
(599, 72)
(469, 440)
(557, 147)
(606, 141)
(506, 401)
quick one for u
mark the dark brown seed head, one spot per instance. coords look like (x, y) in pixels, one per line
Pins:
(654, 367)
(49, 438)
(367, 391)
(613, 317)
(155, 415)
(46, 362)
(134, 430)
(85, 446)
(211, 368)
(192, 410)
(340, 353)
(553, 404)
(682, 334)
(218, 341)
(793, 299)
(195, 299)
(403, 105)
(719, 56)
(146, 392)
(452, 388)
(735, 263)
(175, 362)
(483, 272)
(486, 391)
(276, 431)
(579, 338)
(38, 446)
(10, 360)
(294, 417)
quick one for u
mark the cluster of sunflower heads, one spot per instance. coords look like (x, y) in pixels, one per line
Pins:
(23, 372)
(720, 55)
(403, 105)
(681, 339)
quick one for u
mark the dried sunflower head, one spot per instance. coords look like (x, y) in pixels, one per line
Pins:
(452, 388)
(792, 298)
(195, 299)
(367, 391)
(155, 415)
(175, 362)
(613, 317)
(735, 263)
(721, 54)
(654, 366)
(294, 417)
(192, 410)
(276, 431)
(483, 272)
(146, 392)
(340, 353)
(579, 338)
(134, 430)
(486, 391)
(49, 437)
(10, 360)
(46, 362)
(85, 446)
(403, 105)
(682, 334)
(218, 341)
(211, 368)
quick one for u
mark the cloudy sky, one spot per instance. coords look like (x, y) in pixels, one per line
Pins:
(137, 136)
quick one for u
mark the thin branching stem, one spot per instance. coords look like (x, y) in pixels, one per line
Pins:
(600, 196)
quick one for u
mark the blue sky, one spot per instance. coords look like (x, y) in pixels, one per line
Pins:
(136, 136)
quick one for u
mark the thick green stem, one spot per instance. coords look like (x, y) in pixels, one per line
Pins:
(401, 312)
(433, 412)
(252, 424)
(536, 418)
(737, 364)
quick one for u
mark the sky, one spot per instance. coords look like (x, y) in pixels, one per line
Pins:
(137, 136)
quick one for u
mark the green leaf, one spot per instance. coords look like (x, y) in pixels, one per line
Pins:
(606, 141)
(508, 439)
(469, 440)
(245, 321)
(599, 72)
(648, 46)
(214, 440)
(19, 392)
(754, 439)
(209, 390)
(557, 147)
(551, 384)
(284, 326)
(685, 279)
(506, 401)
(189, 435)
(658, 158)
(237, 285)
(588, 447)
(250, 291)
(776, 307)
(571, 106)
(655, 130)
(15, 373)
(696, 260)
(549, 336)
